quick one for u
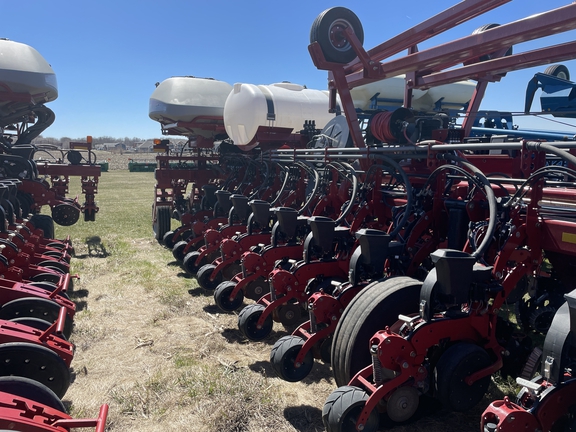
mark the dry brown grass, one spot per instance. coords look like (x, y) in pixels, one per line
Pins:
(152, 345)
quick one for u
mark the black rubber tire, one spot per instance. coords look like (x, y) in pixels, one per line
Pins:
(203, 277)
(188, 263)
(374, 308)
(454, 365)
(54, 264)
(168, 240)
(45, 223)
(35, 362)
(558, 70)
(30, 389)
(322, 29)
(256, 289)
(161, 224)
(342, 408)
(247, 320)
(178, 250)
(46, 277)
(491, 55)
(222, 297)
(35, 307)
(282, 357)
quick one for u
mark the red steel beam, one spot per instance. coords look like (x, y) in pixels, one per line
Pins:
(471, 47)
(439, 23)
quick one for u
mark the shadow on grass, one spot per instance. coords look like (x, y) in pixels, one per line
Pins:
(95, 249)
(304, 418)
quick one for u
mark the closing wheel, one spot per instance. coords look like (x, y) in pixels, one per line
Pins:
(222, 297)
(47, 277)
(454, 366)
(283, 355)
(35, 362)
(256, 289)
(342, 409)
(168, 239)
(36, 308)
(402, 404)
(203, 277)
(30, 389)
(541, 318)
(65, 214)
(328, 31)
(54, 264)
(161, 223)
(375, 307)
(247, 320)
(189, 263)
(178, 250)
(35, 323)
(289, 314)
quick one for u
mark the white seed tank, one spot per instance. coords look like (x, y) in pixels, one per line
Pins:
(280, 105)
(24, 72)
(184, 99)
(391, 93)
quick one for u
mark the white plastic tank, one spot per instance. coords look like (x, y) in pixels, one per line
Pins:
(391, 91)
(183, 99)
(24, 71)
(281, 105)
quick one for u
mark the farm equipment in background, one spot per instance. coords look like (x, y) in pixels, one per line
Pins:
(36, 313)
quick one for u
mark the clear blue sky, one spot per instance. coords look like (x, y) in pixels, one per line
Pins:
(107, 55)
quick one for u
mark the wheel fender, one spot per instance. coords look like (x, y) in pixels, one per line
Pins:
(212, 237)
(324, 307)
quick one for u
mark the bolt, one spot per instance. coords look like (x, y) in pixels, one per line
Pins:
(297, 364)
(257, 268)
(334, 318)
(360, 427)
(387, 341)
(405, 365)
(288, 288)
(413, 354)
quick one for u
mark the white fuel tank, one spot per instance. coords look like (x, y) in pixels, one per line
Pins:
(183, 99)
(391, 93)
(23, 71)
(280, 105)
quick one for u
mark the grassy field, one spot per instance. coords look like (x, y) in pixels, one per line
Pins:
(152, 344)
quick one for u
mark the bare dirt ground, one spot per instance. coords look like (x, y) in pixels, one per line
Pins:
(152, 344)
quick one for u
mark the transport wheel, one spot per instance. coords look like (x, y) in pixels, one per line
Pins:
(374, 308)
(30, 389)
(203, 277)
(289, 314)
(256, 289)
(34, 307)
(455, 364)
(35, 362)
(559, 71)
(541, 318)
(178, 250)
(168, 239)
(247, 320)
(491, 55)
(189, 261)
(222, 297)
(402, 404)
(45, 223)
(161, 224)
(328, 29)
(342, 409)
(283, 355)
